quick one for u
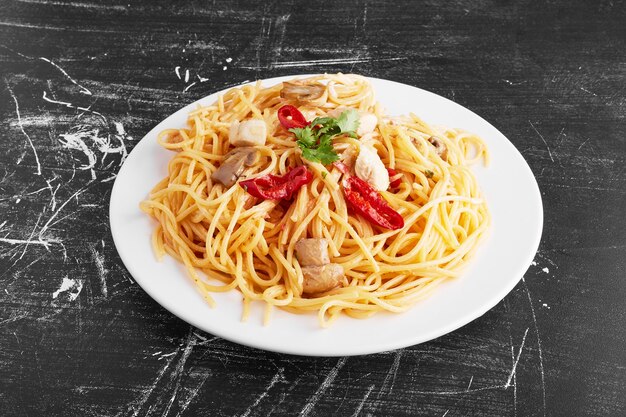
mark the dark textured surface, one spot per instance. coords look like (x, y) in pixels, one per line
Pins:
(79, 338)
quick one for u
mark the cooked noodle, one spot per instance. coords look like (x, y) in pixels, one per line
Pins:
(247, 243)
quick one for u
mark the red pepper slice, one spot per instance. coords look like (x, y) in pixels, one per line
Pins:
(275, 187)
(395, 183)
(368, 202)
(290, 117)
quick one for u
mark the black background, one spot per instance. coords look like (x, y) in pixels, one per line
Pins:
(549, 74)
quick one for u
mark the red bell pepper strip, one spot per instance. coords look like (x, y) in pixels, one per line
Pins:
(275, 187)
(368, 202)
(290, 117)
(395, 177)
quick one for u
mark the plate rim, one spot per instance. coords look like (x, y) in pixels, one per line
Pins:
(379, 346)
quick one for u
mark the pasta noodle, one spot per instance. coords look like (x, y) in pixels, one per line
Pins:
(228, 239)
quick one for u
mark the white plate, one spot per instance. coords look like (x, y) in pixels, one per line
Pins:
(508, 184)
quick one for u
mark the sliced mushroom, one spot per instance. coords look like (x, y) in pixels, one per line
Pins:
(248, 133)
(321, 278)
(234, 164)
(312, 252)
(440, 147)
(302, 92)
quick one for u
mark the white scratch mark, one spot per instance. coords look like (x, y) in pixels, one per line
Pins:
(186, 75)
(177, 71)
(75, 285)
(78, 137)
(146, 394)
(583, 144)
(119, 128)
(587, 91)
(321, 62)
(167, 355)
(446, 413)
(71, 106)
(544, 141)
(30, 238)
(470, 383)
(45, 243)
(179, 370)
(82, 89)
(360, 406)
(519, 354)
(76, 141)
(546, 306)
(275, 379)
(546, 270)
(75, 4)
(391, 375)
(512, 83)
(543, 378)
(12, 319)
(56, 213)
(19, 121)
(102, 271)
(156, 353)
(29, 241)
(53, 193)
(514, 376)
(202, 79)
(189, 86)
(224, 68)
(229, 60)
(322, 388)
(459, 392)
(192, 395)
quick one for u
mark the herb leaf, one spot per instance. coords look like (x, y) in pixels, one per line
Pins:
(348, 121)
(316, 139)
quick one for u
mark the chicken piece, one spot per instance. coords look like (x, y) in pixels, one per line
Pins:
(321, 278)
(312, 252)
(367, 123)
(302, 92)
(370, 168)
(251, 132)
(234, 164)
(440, 147)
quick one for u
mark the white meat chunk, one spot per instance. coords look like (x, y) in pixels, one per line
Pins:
(367, 123)
(312, 252)
(251, 132)
(321, 278)
(370, 168)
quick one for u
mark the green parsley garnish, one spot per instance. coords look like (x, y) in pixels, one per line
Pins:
(316, 139)
(429, 173)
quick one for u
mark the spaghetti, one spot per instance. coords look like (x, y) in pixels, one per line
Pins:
(231, 239)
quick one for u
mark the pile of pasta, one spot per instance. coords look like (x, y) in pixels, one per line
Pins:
(230, 240)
